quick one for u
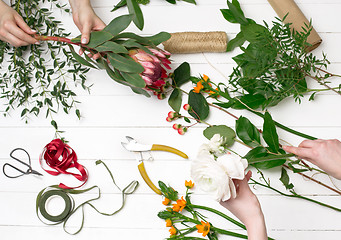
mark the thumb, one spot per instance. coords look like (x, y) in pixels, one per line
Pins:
(86, 30)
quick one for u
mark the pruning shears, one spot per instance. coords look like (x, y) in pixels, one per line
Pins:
(133, 146)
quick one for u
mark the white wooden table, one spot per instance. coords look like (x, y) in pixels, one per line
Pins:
(112, 111)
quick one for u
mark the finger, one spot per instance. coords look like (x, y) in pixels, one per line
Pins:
(96, 56)
(309, 143)
(248, 175)
(302, 152)
(22, 24)
(81, 51)
(89, 55)
(18, 33)
(16, 42)
(86, 33)
(100, 25)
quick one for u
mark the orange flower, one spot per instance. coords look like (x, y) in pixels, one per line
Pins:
(198, 88)
(172, 230)
(203, 228)
(205, 77)
(169, 223)
(189, 184)
(166, 201)
(179, 205)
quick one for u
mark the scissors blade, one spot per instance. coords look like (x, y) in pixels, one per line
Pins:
(36, 172)
(133, 146)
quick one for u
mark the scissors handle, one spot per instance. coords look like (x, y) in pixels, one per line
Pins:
(19, 170)
(147, 179)
(157, 147)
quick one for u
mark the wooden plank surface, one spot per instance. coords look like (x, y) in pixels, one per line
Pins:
(112, 111)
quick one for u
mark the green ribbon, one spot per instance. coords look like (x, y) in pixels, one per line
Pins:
(70, 208)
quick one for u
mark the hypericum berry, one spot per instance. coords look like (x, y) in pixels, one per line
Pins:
(187, 107)
(168, 119)
(182, 130)
(172, 114)
(176, 126)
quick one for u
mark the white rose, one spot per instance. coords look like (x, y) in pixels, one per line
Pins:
(215, 176)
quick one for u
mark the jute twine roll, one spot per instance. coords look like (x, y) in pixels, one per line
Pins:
(196, 42)
(296, 18)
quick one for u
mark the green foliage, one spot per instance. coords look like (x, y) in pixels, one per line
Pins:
(136, 12)
(285, 179)
(269, 133)
(182, 74)
(168, 192)
(175, 100)
(38, 77)
(224, 131)
(274, 63)
(247, 132)
(199, 105)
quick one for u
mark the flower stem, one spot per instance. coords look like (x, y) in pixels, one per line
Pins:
(295, 195)
(220, 214)
(225, 232)
(56, 39)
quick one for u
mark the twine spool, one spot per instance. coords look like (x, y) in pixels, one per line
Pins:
(196, 42)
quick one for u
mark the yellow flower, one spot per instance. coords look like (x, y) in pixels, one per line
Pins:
(172, 230)
(166, 201)
(169, 223)
(198, 87)
(203, 228)
(189, 184)
(179, 205)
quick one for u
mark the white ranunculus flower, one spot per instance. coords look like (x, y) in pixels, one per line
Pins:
(215, 146)
(215, 176)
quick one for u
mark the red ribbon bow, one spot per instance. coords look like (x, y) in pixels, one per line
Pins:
(60, 157)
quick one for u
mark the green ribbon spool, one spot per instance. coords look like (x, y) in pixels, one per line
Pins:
(68, 205)
(70, 208)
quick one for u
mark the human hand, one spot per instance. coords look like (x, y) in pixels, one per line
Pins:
(326, 154)
(13, 28)
(86, 20)
(247, 209)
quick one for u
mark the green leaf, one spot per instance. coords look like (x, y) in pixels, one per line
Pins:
(200, 108)
(159, 38)
(235, 14)
(224, 131)
(285, 179)
(175, 100)
(235, 42)
(135, 10)
(124, 64)
(113, 75)
(168, 192)
(259, 153)
(249, 100)
(171, 1)
(269, 133)
(182, 74)
(78, 113)
(140, 91)
(247, 132)
(252, 31)
(139, 39)
(98, 38)
(110, 46)
(118, 24)
(134, 79)
(165, 214)
(54, 124)
(80, 59)
(190, 1)
(122, 3)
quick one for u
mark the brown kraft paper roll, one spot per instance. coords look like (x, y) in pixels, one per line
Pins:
(196, 42)
(297, 18)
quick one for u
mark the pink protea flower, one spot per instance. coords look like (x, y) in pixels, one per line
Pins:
(155, 65)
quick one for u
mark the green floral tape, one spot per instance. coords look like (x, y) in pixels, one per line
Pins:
(68, 205)
(70, 208)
